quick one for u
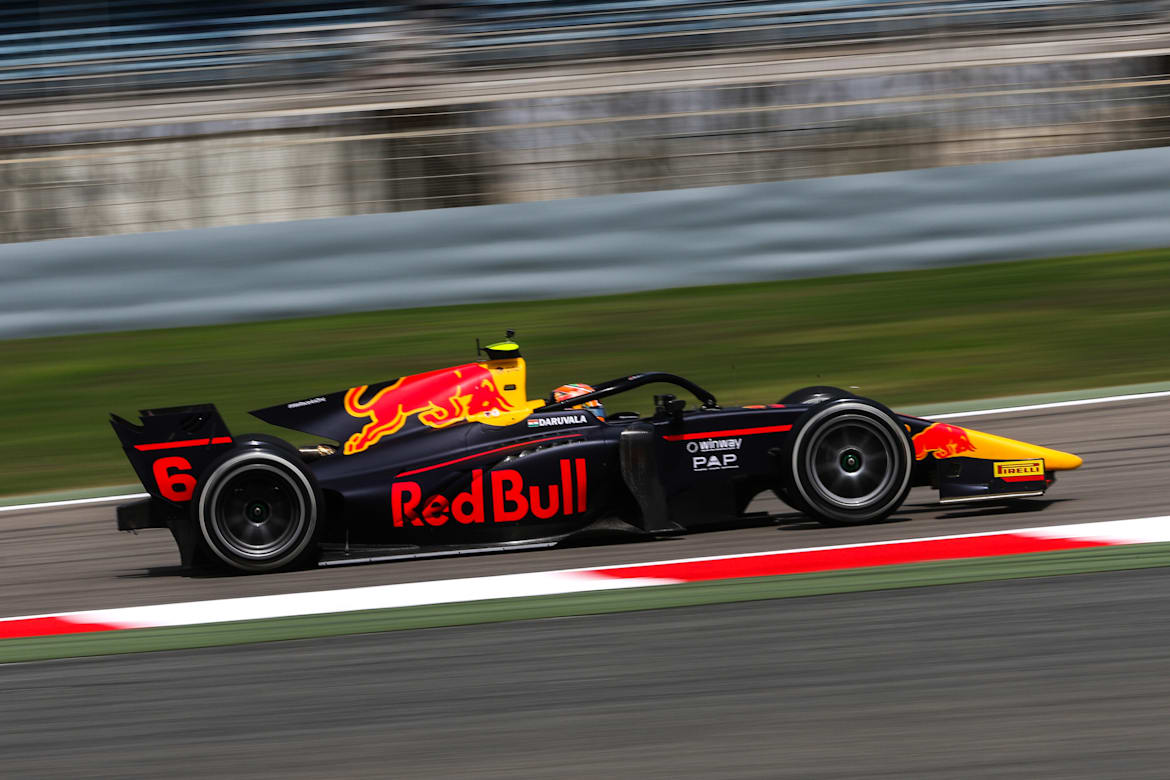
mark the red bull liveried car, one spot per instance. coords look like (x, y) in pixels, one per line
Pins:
(461, 460)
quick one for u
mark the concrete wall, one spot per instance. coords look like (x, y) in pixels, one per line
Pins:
(588, 246)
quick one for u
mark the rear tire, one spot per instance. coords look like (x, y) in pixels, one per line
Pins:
(258, 509)
(847, 462)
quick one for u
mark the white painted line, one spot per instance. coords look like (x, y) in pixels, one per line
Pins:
(505, 586)
(948, 416)
(410, 594)
(1050, 405)
(73, 502)
(1143, 530)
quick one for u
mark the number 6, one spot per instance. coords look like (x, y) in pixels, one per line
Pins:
(173, 478)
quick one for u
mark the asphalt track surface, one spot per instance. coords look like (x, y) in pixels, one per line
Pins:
(1060, 677)
(68, 559)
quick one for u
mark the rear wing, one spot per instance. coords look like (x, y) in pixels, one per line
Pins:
(171, 447)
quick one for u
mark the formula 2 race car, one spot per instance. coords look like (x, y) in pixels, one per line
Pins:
(461, 460)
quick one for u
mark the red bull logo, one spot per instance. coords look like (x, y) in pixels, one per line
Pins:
(944, 441)
(500, 496)
(439, 398)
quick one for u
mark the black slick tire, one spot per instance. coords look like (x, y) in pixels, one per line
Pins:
(258, 509)
(847, 462)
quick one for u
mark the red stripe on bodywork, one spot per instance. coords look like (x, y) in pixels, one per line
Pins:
(49, 626)
(169, 445)
(581, 487)
(1028, 478)
(800, 562)
(486, 452)
(735, 432)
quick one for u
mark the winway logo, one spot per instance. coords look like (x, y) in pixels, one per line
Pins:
(714, 445)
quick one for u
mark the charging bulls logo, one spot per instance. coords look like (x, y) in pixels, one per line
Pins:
(439, 398)
(944, 441)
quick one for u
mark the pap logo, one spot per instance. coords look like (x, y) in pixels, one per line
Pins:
(715, 462)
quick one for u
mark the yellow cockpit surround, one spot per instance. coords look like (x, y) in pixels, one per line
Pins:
(511, 377)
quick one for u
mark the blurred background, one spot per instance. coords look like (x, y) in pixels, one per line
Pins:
(123, 116)
(294, 179)
(926, 202)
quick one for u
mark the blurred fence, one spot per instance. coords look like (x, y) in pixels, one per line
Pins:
(128, 117)
(488, 34)
(166, 50)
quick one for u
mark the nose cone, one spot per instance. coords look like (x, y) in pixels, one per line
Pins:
(993, 447)
(1055, 460)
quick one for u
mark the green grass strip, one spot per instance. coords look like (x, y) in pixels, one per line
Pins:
(940, 335)
(915, 575)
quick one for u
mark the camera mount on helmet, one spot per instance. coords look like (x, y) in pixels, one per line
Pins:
(501, 350)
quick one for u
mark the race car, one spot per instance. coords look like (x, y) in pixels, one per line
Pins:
(460, 460)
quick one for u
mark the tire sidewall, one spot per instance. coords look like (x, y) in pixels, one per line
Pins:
(795, 458)
(221, 470)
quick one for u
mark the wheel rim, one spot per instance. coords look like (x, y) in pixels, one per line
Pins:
(852, 461)
(257, 512)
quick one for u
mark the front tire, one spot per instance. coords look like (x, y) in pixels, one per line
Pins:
(847, 462)
(258, 510)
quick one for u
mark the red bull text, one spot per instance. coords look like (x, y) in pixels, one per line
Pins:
(943, 440)
(439, 398)
(502, 491)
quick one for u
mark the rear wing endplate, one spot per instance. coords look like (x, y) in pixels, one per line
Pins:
(171, 447)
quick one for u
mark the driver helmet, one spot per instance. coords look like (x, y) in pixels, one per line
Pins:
(574, 389)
